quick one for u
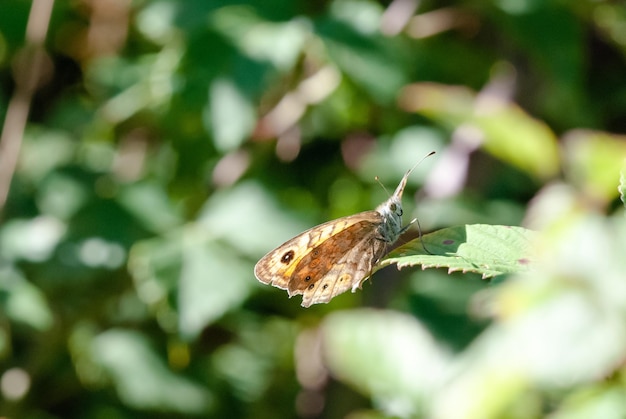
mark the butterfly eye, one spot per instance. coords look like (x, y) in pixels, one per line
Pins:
(392, 207)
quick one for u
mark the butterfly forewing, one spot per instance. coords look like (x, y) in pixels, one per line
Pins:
(349, 272)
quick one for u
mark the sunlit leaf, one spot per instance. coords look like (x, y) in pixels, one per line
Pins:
(230, 116)
(141, 379)
(277, 42)
(201, 275)
(484, 249)
(44, 150)
(23, 302)
(556, 328)
(212, 281)
(32, 240)
(150, 205)
(247, 218)
(386, 355)
(602, 400)
(593, 161)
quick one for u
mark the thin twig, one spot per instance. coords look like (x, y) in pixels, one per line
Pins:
(27, 75)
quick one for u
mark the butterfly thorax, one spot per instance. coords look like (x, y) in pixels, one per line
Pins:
(391, 227)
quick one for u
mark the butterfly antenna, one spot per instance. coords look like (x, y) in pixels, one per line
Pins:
(383, 186)
(419, 227)
(421, 160)
(406, 174)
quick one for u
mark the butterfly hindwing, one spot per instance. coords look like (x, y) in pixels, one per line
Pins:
(327, 254)
(349, 271)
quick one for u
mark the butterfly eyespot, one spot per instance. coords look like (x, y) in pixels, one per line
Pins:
(287, 257)
(307, 278)
(400, 212)
(316, 252)
(325, 286)
(311, 286)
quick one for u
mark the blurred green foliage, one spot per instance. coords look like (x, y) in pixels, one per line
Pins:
(169, 145)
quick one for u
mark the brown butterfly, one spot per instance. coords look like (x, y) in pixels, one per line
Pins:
(336, 256)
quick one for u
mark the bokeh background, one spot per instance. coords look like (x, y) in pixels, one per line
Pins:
(153, 151)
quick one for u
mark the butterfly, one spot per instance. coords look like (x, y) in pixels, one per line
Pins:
(336, 256)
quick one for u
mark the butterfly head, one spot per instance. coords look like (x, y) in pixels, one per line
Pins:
(391, 211)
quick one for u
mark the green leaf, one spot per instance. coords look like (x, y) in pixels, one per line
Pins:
(230, 115)
(387, 355)
(43, 151)
(22, 301)
(485, 249)
(33, 240)
(141, 378)
(230, 215)
(213, 281)
(204, 276)
(600, 400)
(538, 28)
(371, 62)
(148, 202)
(592, 162)
(561, 326)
